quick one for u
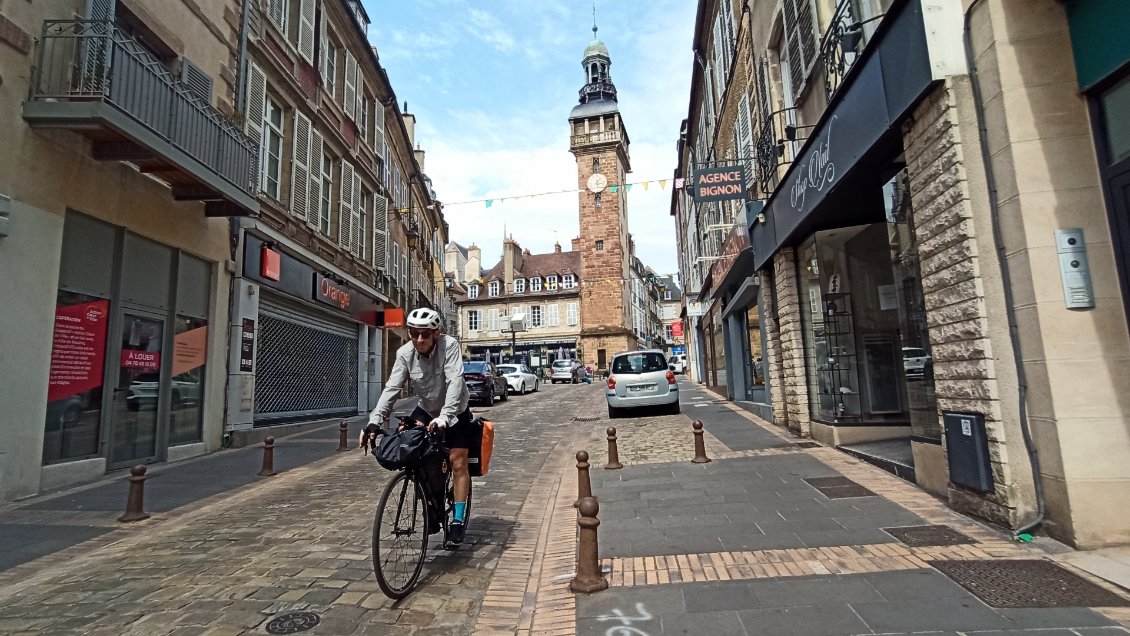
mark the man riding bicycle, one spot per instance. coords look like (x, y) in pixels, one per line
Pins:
(434, 361)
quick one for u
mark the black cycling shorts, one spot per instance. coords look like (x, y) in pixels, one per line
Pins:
(458, 436)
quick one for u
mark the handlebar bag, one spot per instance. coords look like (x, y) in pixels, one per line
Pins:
(398, 450)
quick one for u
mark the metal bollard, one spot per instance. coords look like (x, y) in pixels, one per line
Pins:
(135, 501)
(343, 438)
(588, 578)
(268, 458)
(613, 453)
(699, 447)
(584, 489)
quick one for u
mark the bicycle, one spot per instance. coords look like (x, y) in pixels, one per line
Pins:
(403, 520)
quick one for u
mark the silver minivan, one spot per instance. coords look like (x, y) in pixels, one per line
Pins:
(568, 371)
(641, 378)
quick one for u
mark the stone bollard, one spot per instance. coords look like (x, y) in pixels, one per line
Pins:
(136, 498)
(589, 578)
(613, 453)
(584, 489)
(699, 447)
(268, 458)
(343, 438)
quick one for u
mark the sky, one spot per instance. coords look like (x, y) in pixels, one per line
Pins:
(491, 83)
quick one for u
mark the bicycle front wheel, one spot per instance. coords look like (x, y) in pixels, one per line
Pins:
(400, 536)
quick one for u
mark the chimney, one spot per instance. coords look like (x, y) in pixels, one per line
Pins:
(410, 124)
(419, 157)
(511, 261)
(576, 246)
(474, 268)
(556, 248)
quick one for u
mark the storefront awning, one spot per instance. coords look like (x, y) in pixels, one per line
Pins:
(838, 167)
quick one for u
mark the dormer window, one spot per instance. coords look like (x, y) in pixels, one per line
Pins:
(473, 291)
(492, 289)
(535, 284)
(667, 295)
(551, 283)
(568, 281)
(519, 285)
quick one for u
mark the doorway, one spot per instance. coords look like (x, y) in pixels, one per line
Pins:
(137, 401)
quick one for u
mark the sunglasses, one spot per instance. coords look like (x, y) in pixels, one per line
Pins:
(420, 333)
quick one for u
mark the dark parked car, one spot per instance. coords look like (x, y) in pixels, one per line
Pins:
(484, 382)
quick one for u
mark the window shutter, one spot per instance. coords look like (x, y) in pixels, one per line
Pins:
(277, 13)
(764, 97)
(345, 209)
(709, 120)
(355, 228)
(349, 96)
(314, 192)
(300, 168)
(379, 129)
(404, 272)
(324, 37)
(395, 263)
(253, 122)
(800, 36)
(380, 231)
(745, 138)
(719, 55)
(306, 12)
(359, 88)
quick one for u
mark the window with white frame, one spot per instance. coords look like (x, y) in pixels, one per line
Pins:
(551, 283)
(519, 285)
(568, 281)
(571, 313)
(272, 148)
(492, 320)
(535, 284)
(552, 319)
(667, 295)
(670, 333)
(536, 316)
(331, 66)
(327, 186)
(473, 291)
(492, 289)
(474, 320)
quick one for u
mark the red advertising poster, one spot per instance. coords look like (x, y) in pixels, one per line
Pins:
(78, 349)
(189, 349)
(677, 329)
(144, 360)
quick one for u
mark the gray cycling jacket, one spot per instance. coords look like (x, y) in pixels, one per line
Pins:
(437, 379)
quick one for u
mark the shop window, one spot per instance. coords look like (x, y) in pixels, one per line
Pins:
(74, 392)
(757, 365)
(186, 404)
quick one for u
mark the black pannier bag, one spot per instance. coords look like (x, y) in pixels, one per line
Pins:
(403, 449)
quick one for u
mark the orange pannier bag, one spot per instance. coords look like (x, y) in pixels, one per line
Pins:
(478, 459)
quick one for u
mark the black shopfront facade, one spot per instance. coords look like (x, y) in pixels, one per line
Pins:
(307, 339)
(844, 207)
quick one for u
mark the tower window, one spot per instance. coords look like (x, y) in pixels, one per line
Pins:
(600, 246)
(597, 200)
(595, 164)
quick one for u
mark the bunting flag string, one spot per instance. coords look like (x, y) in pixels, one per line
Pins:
(614, 188)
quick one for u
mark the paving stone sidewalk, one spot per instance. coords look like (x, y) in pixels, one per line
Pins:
(745, 545)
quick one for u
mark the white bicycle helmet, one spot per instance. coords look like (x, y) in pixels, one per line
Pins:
(424, 318)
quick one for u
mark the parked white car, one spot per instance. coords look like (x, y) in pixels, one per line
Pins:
(678, 363)
(914, 361)
(641, 378)
(520, 378)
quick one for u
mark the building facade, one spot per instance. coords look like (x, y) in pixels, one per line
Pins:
(932, 245)
(670, 316)
(526, 308)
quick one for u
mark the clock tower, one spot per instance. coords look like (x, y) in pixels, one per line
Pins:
(600, 144)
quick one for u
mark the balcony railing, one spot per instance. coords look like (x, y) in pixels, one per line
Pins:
(90, 72)
(842, 43)
(778, 140)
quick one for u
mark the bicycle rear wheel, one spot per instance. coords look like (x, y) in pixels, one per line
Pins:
(400, 536)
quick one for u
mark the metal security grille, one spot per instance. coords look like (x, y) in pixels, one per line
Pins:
(301, 368)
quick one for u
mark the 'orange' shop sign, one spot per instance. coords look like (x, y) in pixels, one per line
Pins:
(270, 264)
(394, 318)
(330, 292)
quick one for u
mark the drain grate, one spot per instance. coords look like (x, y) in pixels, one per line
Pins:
(923, 536)
(807, 445)
(1027, 583)
(838, 487)
(586, 419)
(293, 622)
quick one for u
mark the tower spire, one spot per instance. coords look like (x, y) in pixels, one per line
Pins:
(594, 19)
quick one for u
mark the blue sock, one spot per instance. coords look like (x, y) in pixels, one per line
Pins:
(460, 508)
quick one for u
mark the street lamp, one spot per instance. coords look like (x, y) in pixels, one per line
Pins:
(413, 236)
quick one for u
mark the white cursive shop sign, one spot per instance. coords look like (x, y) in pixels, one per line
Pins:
(815, 174)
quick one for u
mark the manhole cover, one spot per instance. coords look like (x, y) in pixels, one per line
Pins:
(293, 622)
(807, 445)
(586, 419)
(838, 487)
(1027, 583)
(922, 536)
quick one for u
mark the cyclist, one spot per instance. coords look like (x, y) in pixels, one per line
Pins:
(434, 361)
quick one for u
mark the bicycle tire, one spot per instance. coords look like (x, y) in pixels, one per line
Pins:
(409, 499)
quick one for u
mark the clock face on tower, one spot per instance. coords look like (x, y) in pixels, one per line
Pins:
(597, 182)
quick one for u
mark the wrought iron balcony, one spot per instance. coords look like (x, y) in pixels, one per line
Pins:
(92, 78)
(778, 140)
(841, 45)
